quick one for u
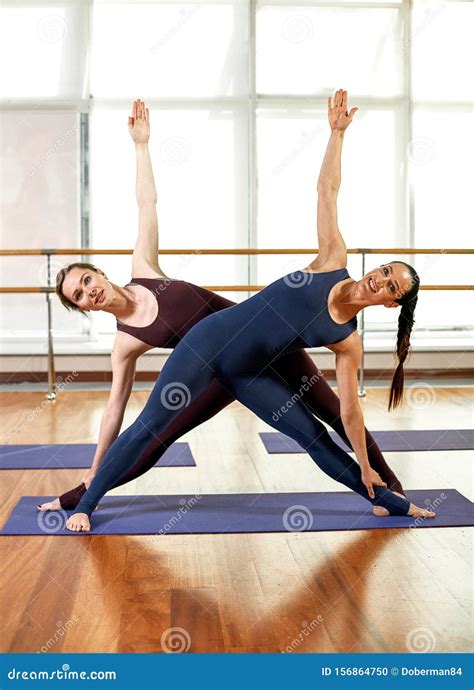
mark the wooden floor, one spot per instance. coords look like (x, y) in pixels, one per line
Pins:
(360, 591)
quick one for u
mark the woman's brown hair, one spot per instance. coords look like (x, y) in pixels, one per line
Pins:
(60, 276)
(405, 325)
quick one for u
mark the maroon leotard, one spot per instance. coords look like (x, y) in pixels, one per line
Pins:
(180, 306)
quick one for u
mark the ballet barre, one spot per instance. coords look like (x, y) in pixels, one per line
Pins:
(49, 288)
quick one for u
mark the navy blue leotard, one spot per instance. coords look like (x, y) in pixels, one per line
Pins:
(237, 346)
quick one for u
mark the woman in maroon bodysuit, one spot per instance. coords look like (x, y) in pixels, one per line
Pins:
(171, 308)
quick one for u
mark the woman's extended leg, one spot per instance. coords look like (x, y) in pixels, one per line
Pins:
(304, 378)
(264, 395)
(214, 399)
(268, 396)
(189, 370)
(186, 374)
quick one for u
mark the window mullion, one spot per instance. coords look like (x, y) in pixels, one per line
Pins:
(409, 204)
(252, 261)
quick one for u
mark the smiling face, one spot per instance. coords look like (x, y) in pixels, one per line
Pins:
(385, 284)
(88, 290)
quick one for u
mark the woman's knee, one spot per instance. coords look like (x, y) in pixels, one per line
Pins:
(321, 441)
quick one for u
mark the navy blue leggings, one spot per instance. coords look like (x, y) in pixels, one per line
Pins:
(188, 372)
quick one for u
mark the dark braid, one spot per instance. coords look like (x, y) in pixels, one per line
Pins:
(405, 325)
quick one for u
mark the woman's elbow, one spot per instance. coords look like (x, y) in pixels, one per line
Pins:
(327, 189)
(351, 418)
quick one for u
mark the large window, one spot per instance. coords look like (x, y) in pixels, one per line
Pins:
(238, 93)
(40, 207)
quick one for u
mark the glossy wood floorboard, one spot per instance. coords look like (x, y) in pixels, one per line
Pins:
(365, 591)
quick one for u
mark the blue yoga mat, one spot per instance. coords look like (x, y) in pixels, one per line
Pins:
(77, 455)
(396, 441)
(237, 513)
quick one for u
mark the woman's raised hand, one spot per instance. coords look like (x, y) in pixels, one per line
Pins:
(139, 123)
(338, 116)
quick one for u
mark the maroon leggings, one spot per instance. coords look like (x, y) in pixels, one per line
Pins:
(301, 375)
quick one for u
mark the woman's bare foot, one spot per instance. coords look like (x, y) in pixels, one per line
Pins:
(79, 522)
(56, 504)
(380, 511)
(50, 505)
(413, 511)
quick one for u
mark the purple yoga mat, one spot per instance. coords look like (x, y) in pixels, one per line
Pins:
(235, 513)
(410, 439)
(77, 455)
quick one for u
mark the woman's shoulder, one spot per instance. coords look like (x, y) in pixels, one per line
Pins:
(145, 275)
(317, 266)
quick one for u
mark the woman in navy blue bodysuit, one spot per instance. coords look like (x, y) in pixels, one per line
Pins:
(237, 346)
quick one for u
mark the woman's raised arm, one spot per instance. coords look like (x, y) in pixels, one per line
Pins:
(332, 249)
(145, 262)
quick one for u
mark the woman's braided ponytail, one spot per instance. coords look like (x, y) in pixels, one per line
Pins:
(405, 325)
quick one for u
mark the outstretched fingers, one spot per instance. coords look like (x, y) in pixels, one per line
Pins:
(138, 111)
(353, 112)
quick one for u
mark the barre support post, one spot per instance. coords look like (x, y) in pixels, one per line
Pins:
(361, 392)
(51, 394)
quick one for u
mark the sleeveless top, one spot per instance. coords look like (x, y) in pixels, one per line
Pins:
(180, 306)
(289, 314)
(300, 300)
